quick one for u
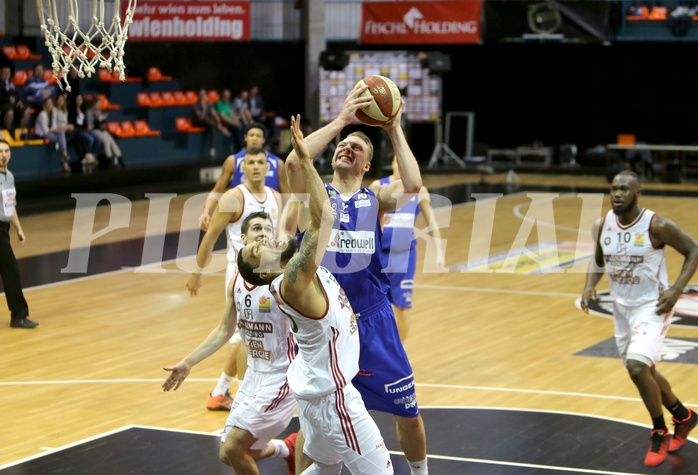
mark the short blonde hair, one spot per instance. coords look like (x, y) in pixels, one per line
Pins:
(369, 144)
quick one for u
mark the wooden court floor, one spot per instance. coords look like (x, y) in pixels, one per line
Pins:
(505, 335)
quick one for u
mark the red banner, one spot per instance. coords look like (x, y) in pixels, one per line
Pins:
(189, 21)
(442, 22)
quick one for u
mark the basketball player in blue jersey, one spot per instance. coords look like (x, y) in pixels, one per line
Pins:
(232, 173)
(338, 427)
(630, 243)
(400, 247)
(385, 379)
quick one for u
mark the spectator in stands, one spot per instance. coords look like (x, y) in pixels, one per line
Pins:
(13, 110)
(61, 120)
(47, 127)
(97, 124)
(240, 108)
(204, 115)
(37, 88)
(92, 141)
(224, 107)
(258, 111)
(255, 104)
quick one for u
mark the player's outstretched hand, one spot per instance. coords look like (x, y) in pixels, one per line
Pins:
(297, 139)
(178, 374)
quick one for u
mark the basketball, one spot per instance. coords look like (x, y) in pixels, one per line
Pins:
(386, 100)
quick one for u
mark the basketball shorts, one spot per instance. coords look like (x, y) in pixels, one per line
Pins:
(263, 406)
(338, 428)
(401, 283)
(640, 332)
(385, 379)
(230, 272)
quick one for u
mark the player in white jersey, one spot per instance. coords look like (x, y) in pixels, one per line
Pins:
(234, 205)
(263, 407)
(630, 245)
(333, 417)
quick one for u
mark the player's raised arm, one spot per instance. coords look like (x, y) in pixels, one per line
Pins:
(300, 271)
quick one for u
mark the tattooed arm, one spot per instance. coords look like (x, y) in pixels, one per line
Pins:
(300, 285)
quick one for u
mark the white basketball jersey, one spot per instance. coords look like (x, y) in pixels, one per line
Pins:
(264, 329)
(328, 347)
(250, 205)
(635, 268)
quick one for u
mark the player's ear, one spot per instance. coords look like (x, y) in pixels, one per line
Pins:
(243, 238)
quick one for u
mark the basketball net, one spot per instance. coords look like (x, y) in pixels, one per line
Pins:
(100, 45)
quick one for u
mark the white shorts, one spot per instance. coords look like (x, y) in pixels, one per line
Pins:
(338, 428)
(229, 274)
(640, 332)
(263, 406)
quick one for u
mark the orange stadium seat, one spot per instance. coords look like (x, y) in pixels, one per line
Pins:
(143, 99)
(106, 105)
(115, 128)
(10, 51)
(23, 52)
(637, 13)
(191, 96)
(179, 98)
(20, 77)
(48, 75)
(155, 99)
(658, 13)
(212, 96)
(127, 129)
(167, 99)
(143, 130)
(154, 74)
(184, 125)
(626, 139)
(104, 75)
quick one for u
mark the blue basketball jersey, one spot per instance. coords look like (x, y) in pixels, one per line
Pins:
(354, 252)
(272, 178)
(398, 225)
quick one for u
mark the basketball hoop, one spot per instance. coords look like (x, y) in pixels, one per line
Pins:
(72, 44)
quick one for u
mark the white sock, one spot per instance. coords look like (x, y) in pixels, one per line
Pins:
(419, 468)
(280, 448)
(223, 385)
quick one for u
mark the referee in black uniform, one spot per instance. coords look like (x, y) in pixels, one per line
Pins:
(9, 271)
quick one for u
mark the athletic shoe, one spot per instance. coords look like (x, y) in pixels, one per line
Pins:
(659, 448)
(681, 431)
(290, 442)
(219, 403)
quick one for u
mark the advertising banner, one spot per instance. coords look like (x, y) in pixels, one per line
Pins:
(437, 22)
(190, 21)
(564, 21)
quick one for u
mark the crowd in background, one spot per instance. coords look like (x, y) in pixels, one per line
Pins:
(40, 109)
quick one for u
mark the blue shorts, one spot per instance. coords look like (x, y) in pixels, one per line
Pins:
(385, 379)
(401, 283)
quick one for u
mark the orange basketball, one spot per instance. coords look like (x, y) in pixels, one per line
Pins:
(386, 100)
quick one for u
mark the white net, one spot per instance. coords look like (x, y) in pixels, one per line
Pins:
(101, 45)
